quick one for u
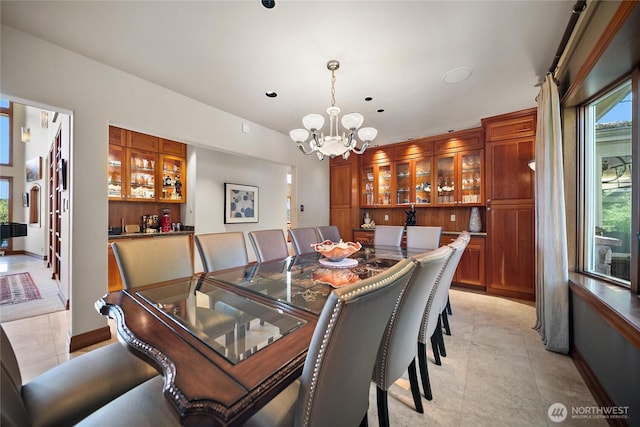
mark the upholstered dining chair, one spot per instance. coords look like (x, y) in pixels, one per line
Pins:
(329, 232)
(302, 239)
(143, 261)
(397, 350)
(423, 237)
(388, 235)
(269, 245)
(431, 326)
(333, 389)
(147, 260)
(67, 393)
(219, 251)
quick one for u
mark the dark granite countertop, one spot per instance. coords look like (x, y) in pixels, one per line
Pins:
(143, 235)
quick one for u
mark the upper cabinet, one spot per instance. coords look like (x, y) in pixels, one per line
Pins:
(145, 168)
(446, 170)
(460, 178)
(173, 179)
(377, 183)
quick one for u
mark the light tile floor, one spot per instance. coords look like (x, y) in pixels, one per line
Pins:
(496, 373)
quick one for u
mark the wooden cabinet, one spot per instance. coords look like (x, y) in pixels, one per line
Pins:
(413, 172)
(376, 185)
(365, 237)
(510, 214)
(343, 194)
(376, 178)
(142, 174)
(140, 171)
(173, 179)
(114, 281)
(460, 178)
(471, 269)
(116, 179)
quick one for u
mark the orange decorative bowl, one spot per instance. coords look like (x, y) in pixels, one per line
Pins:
(336, 251)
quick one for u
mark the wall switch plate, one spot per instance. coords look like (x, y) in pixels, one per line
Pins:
(453, 218)
(386, 217)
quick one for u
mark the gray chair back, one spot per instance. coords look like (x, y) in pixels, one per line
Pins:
(334, 386)
(329, 232)
(67, 393)
(219, 251)
(153, 259)
(420, 237)
(302, 239)
(388, 235)
(438, 299)
(269, 245)
(398, 346)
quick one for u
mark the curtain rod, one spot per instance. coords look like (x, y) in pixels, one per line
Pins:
(577, 9)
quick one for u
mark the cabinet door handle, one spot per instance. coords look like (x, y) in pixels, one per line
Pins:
(488, 201)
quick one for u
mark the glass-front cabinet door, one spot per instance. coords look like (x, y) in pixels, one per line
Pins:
(384, 184)
(471, 177)
(446, 176)
(173, 179)
(404, 180)
(423, 182)
(376, 185)
(115, 171)
(368, 185)
(459, 178)
(142, 175)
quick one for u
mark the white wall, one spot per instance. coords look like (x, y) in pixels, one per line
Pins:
(270, 178)
(35, 71)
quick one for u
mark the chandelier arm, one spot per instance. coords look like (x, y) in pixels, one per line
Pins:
(361, 150)
(305, 152)
(314, 134)
(352, 137)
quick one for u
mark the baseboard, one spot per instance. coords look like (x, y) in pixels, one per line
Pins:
(597, 390)
(96, 336)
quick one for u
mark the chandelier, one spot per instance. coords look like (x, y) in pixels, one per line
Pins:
(334, 144)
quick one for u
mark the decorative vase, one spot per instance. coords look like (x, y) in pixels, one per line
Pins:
(475, 224)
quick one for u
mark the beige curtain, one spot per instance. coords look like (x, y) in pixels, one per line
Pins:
(552, 272)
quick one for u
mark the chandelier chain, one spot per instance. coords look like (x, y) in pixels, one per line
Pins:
(333, 88)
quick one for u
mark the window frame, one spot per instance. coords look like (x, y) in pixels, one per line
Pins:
(8, 111)
(586, 176)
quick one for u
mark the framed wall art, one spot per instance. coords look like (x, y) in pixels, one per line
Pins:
(34, 169)
(240, 203)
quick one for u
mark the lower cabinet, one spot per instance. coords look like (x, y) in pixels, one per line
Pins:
(471, 269)
(365, 237)
(114, 282)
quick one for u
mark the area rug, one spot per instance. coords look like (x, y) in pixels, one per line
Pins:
(18, 288)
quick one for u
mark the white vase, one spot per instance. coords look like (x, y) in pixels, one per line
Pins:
(475, 224)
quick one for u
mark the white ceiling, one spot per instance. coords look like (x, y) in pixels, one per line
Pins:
(227, 54)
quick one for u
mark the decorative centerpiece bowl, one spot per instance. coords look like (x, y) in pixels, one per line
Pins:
(336, 252)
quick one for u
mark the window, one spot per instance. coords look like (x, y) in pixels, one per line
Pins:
(5, 133)
(5, 207)
(607, 186)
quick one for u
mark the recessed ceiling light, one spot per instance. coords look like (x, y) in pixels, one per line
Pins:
(368, 98)
(457, 75)
(271, 94)
(269, 4)
(380, 110)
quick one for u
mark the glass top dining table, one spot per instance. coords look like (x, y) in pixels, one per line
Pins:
(228, 341)
(305, 281)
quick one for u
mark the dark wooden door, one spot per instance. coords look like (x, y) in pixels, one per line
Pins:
(510, 267)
